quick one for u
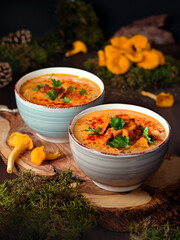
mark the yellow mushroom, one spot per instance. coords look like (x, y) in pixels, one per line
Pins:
(101, 58)
(135, 56)
(123, 43)
(38, 155)
(111, 50)
(162, 99)
(142, 142)
(78, 46)
(117, 64)
(160, 55)
(150, 60)
(140, 42)
(20, 142)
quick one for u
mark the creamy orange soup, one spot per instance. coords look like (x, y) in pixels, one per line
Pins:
(59, 90)
(119, 131)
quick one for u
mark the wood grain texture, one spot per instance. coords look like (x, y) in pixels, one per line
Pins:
(156, 201)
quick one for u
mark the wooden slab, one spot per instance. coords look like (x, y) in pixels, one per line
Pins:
(156, 201)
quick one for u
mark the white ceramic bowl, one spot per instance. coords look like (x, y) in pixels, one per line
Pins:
(119, 173)
(51, 124)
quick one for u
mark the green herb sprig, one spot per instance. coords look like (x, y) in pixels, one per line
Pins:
(148, 137)
(83, 92)
(56, 83)
(72, 88)
(65, 100)
(51, 94)
(119, 142)
(116, 123)
(37, 87)
(94, 132)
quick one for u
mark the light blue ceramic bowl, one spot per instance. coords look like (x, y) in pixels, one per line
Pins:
(123, 172)
(51, 124)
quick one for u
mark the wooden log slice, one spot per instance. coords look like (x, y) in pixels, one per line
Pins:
(156, 201)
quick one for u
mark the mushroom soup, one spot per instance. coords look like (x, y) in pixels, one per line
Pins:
(119, 131)
(59, 90)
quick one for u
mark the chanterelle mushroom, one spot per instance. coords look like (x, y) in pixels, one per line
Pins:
(162, 99)
(20, 142)
(38, 155)
(78, 46)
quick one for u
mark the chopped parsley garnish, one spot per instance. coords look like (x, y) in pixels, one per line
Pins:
(117, 123)
(72, 88)
(94, 132)
(119, 142)
(51, 94)
(82, 92)
(37, 87)
(56, 83)
(65, 100)
(148, 137)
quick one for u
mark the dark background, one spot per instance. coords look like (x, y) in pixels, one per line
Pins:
(39, 15)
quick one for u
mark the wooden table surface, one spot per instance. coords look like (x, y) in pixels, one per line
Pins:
(172, 115)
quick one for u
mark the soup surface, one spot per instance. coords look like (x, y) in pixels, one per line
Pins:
(119, 131)
(59, 90)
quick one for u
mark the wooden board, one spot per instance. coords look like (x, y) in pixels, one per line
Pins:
(156, 201)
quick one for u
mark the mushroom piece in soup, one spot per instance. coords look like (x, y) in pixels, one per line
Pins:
(59, 90)
(119, 131)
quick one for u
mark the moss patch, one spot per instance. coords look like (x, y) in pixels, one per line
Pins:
(138, 78)
(36, 207)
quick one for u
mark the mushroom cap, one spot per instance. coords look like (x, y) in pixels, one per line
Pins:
(80, 46)
(135, 56)
(18, 140)
(122, 43)
(150, 60)
(111, 50)
(38, 155)
(164, 100)
(161, 56)
(140, 42)
(118, 64)
(102, 58)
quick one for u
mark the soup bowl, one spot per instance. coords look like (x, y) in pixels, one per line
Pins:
(51, 123)
(118, 172)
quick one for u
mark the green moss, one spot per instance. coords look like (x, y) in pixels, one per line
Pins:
(157, 233)
(53, 43)
(137, 78)
(78, 21)
(35, 207)
(23, 57)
